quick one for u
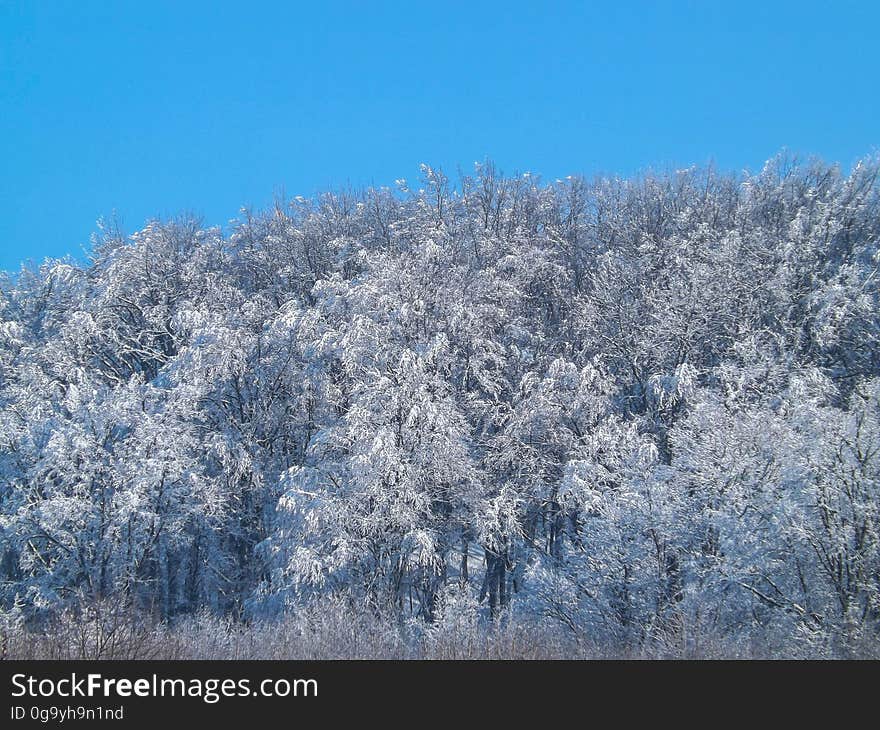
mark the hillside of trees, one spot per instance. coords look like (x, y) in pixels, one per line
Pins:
(617, 417)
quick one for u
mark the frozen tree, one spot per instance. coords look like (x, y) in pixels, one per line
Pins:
(635, 411)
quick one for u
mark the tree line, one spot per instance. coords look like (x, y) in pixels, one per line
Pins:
(624, 409)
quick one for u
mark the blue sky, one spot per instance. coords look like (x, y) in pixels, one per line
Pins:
(153, 108)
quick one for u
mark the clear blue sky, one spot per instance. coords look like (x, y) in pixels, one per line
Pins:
(153, 108)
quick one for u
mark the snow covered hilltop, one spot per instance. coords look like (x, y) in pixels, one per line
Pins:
(631, 413)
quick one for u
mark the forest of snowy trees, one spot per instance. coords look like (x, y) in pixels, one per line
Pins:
(628, 416)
